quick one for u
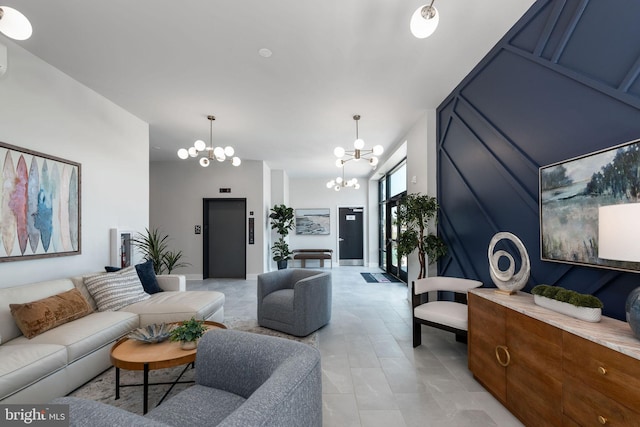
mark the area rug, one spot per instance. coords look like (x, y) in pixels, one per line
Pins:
(379, 278)
(102, 388)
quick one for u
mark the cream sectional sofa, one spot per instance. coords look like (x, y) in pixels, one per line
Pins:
(61, 359)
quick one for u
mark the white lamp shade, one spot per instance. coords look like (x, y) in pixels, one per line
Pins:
(358, 144)
(339, 163)
(236, 161)
(200, 145)
(330, 184)
(14, 24)
(218, 152)
(183, 153)
(373, 161)
(339, 180)
(356, 186)
(204, 162)
(618, 232)
(422, 27)
(338, 151)
(337, 188)
(193, 152)
(229, 151)
(378, 150)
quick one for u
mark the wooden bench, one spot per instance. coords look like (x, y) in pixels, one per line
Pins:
(320, 254)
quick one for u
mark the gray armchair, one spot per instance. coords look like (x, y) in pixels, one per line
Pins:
(294, 301)
(242, 379)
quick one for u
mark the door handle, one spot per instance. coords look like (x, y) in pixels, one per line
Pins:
(340, 239)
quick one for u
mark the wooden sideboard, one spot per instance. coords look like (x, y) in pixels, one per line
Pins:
(549, 369)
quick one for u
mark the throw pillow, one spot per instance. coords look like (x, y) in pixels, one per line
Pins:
(147, 276)
(113, 291)
(36, 317)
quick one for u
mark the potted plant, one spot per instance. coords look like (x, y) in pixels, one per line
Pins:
(188, 333)
(565, 301)
(282, 220)
(155, 246)
(415, 213)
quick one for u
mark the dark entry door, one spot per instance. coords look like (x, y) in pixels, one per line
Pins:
(351, 236)
(224, 238)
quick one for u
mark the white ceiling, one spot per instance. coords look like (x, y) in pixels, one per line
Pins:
(173, 63)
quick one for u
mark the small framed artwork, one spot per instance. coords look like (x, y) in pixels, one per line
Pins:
(571, 195)
(39, 205)
(313, 221)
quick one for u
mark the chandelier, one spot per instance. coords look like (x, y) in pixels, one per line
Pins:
(14, 24)
(211, 153)
(340, 183)
(424, 21)
(358, 153)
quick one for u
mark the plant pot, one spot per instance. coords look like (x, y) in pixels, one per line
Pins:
(282, 264)
(587, 314)
(188, 345)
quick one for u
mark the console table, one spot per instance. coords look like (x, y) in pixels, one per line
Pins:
(551, 369)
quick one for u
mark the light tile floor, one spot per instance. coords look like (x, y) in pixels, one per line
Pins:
(371, 374)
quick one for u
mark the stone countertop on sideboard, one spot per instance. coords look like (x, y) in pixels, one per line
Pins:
(609, 332)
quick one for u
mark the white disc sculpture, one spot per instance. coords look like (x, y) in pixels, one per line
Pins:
(508, 280)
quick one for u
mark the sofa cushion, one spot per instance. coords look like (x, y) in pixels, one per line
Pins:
(146, 274)
(25, 293)
(186, 408)
(112, 291)
(36, 317)
(177, 306)
(85, 335)
(26, 364)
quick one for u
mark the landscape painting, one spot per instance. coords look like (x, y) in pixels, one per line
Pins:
(313, 221)
(570, 194)
(39, 205)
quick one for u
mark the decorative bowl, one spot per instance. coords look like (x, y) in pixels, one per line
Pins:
(152, 333)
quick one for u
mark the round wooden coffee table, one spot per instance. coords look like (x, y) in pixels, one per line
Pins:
(140, 356)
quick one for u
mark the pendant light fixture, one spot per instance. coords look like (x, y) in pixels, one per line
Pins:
(424, 21)
(359, 152)
(212, 153)
(340, 182)
(14, 24)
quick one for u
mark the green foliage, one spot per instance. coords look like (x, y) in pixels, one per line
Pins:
(171, 261)
(282, 219)
(189, 330)
(280, 250)
(155, 246)
(565, 295)
(415, 213)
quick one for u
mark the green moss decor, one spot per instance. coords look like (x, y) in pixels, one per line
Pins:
(565, 295)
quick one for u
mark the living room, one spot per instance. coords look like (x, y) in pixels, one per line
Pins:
(489, 135)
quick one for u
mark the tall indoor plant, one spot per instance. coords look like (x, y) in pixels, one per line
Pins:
(282, 220)
(154, 246)
(415, 214)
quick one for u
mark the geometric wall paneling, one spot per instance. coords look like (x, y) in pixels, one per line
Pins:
(555, 87)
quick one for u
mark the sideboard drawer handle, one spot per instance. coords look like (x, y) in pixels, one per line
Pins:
(507, 359)
(602, 420)
(602, 370)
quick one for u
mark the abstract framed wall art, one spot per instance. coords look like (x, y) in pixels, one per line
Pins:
(313, 221)
(39, 205)
(570, 194)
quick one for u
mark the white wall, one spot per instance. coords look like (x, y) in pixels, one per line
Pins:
(177, 190)
(313, 193)
(44, 110)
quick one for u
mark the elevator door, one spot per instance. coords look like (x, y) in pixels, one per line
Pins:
(224, 233)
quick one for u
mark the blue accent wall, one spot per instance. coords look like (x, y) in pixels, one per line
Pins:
(563, 82)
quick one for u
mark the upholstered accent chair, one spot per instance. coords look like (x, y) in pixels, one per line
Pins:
(442, 312)
(294, 301)
(242, 379)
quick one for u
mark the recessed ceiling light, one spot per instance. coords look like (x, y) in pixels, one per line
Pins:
(265, 53)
